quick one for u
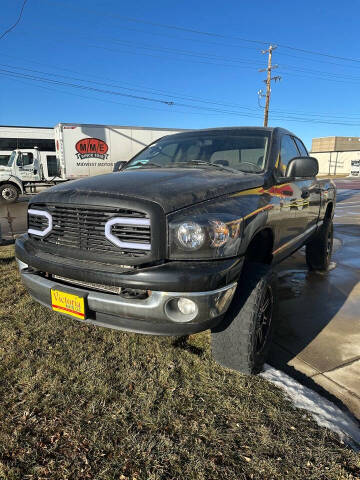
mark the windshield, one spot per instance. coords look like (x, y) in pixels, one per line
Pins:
(243, 152)
(11, 159)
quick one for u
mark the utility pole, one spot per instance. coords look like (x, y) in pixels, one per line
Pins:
(268, 80)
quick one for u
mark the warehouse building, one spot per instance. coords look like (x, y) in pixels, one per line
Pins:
(24, 137)
(337, 155)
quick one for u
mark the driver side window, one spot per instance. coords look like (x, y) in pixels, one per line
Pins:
(288, 150)
(25, 159)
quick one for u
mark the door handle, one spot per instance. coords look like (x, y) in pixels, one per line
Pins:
(305, 194)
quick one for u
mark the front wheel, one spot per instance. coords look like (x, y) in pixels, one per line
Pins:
(9, 193)
(242, 340)
(319, 249)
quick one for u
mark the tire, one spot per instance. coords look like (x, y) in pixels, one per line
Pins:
(9, 193)
(319, 249)
(239, 342)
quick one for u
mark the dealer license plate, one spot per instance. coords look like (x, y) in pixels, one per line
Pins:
(68, 303)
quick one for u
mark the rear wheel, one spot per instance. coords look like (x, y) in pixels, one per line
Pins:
(242, 340)
(9, 193)
(319, 249)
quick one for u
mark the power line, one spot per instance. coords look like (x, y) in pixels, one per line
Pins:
(84, 87)
(317, 60)
(197, 57)
(232, 61)
(17, 21)
(247, 40)
(106, 100)
(193, 107)
(142, 89)
(172, 27)
(218, 35)
(312, 52)
(307, 116)
(212, 110)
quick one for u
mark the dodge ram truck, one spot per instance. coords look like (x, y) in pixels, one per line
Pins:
(183, 239)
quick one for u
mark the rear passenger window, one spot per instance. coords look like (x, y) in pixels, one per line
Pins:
(301, 147)
(287, 152)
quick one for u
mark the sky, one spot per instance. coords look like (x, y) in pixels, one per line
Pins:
(188, 64)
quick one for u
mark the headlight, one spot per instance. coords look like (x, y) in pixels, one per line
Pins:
(204, 233)
(190, 235)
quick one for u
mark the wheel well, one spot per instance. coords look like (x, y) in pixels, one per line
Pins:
(11, 183)
(329, 210)
(261, 246)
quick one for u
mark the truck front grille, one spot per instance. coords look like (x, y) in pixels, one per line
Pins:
(83, 228)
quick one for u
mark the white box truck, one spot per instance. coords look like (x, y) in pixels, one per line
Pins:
(82, 150)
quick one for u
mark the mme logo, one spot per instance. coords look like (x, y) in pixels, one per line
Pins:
(91, 148)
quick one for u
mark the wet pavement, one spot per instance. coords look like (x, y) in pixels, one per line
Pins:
(318, 339)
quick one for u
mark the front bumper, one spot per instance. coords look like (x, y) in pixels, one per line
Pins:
(157, 314)
(174, 276)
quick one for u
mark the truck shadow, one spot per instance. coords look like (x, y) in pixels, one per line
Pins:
(318, 322)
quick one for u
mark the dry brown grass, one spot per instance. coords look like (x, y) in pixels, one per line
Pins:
(80, 402)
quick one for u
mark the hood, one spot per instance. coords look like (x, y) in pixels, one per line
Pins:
(171, 188)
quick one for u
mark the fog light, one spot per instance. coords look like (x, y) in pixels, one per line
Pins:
(181, 309)
(186, 306)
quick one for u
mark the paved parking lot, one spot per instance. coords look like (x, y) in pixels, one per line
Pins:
(319, 336)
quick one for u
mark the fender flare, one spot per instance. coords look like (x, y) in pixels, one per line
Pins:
(249, 233)
(14, 181)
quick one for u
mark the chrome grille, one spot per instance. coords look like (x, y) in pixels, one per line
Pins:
(37, 222)
(83, 228)
(94, 286)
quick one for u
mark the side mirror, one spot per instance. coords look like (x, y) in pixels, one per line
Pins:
(302, 167)
(119, 166)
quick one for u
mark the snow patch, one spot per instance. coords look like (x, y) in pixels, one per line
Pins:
(325, 413)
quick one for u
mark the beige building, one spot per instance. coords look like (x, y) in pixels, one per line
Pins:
(336, 155)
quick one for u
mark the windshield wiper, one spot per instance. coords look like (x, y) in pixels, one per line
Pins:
(205, 164)
(144, 165)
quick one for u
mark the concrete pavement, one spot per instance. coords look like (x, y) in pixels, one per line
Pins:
(318, 339)
(13, 219)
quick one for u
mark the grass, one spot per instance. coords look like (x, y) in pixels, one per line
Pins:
(81, 402)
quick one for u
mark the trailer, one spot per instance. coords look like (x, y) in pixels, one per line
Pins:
(85, 150)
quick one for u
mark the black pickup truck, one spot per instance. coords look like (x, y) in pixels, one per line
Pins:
(183, 239)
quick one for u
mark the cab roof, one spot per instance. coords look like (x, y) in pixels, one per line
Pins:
(234, 130)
